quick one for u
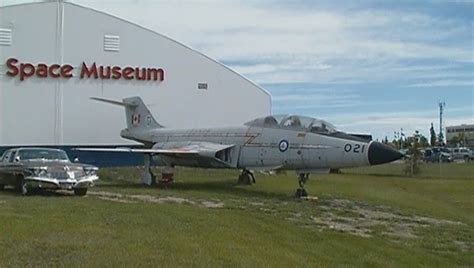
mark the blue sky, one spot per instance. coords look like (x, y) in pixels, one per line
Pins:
(366, 66)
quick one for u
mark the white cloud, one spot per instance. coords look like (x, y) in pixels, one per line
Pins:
(272, 44)
(446, 83)
(381, 124)
(281, 44)
(286, 43)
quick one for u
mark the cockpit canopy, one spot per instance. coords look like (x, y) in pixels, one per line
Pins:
(294, 122)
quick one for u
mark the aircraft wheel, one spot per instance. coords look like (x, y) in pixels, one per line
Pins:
(248, 179)
(80, 191)
(245, 178)
(300, 193)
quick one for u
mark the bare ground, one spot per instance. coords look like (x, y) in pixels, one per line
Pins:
(341, 215)
(126, 198)
(361, 219)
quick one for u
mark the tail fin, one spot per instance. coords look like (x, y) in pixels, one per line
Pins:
(136, 113)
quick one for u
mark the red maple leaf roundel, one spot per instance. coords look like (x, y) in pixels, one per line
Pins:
(135, 119)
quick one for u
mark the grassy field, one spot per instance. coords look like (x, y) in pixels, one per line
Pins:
(364, 217)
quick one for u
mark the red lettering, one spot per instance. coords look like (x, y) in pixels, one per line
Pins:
(155, 73)
(127, 73)
(42, 70)
(52, 70)
(143, 74)
(66, 71)
(106, 74)
(26, 70)
(116, 74)
(11, 65)
(89, 72)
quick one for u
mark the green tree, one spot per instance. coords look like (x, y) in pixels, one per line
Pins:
(432, 136)
(414, 155)
(454, 141)
(405, 144)
(462, 138)
(394, 144)
(441, 139)
(423, 142)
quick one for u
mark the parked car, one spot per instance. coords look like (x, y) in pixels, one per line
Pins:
(462, 153)
(29, 169)
(437, 154)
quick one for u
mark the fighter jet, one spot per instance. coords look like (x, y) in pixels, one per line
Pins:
(275, 142)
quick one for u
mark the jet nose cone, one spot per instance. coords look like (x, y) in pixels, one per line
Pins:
(380, 153)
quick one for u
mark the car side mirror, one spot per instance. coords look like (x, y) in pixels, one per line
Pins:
(17, 159)
(76, 160)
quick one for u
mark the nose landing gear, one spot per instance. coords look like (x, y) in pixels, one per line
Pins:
(302, 179)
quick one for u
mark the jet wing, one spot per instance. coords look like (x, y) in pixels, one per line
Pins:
(199, 153)
(139, 151)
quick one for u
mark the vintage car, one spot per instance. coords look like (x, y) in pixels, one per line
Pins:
(29, 169)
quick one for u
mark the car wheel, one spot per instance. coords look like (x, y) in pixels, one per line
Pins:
(80, 191)
(466, 158)
(23, 186)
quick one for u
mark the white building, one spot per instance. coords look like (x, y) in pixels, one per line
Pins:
(48, 52)
(464, 135)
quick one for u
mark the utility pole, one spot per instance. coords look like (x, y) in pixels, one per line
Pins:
(442, 105)
(401, 138)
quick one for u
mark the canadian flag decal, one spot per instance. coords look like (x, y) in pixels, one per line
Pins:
(135, 119)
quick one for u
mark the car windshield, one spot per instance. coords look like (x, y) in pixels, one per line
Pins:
(294, 122)
(42, 154)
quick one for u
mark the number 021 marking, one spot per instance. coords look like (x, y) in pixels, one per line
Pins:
(356, 149)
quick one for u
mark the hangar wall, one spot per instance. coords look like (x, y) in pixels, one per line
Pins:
(195, 91)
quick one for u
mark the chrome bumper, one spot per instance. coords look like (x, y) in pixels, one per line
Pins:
(69, 184)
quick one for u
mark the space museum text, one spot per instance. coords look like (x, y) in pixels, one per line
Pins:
(25, 70)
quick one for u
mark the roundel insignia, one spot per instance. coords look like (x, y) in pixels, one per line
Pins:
(148, 120)
(283, 145)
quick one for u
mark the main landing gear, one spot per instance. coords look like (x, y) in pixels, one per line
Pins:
(302, 178)
(246, 177)
(148, 177)
(167, 174)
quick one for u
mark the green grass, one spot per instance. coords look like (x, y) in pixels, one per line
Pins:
(258, 225)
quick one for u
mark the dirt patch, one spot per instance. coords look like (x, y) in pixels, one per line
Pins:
(161, 200)
(212, 204)
(113, 199)
(341, 215)
(105, 194)
(463, 246)
(363, 220)
(124, 198)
